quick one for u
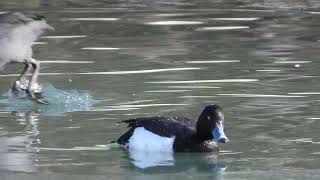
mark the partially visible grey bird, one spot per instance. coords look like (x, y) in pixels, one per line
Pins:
(18, 31)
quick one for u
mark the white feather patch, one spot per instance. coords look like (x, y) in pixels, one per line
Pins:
(144, 140)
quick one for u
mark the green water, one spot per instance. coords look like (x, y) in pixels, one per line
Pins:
(258, 61)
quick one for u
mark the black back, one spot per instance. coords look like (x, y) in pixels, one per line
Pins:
(186, 139)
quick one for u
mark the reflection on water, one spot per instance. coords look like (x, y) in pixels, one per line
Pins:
(17, 152)
(258, 60)
(146, 160)
(167, 163)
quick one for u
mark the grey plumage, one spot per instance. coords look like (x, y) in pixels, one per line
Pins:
(18, 31)
(18, 18)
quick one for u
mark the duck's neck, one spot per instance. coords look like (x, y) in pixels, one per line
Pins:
(203, 132)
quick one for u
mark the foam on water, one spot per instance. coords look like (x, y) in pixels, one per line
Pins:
(60, 102)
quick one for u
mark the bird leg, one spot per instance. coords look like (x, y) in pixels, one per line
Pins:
(34, 89)
(22, 83)
(33, 84)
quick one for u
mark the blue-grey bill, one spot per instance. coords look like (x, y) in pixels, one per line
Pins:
(218, 134)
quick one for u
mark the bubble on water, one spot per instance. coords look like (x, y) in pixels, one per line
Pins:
(60, 102)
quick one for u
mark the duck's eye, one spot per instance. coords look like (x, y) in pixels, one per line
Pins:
(209, 117)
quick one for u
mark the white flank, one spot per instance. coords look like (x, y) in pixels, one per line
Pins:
(144, 140)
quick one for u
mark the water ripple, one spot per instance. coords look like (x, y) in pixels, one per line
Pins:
(100, 48)
(305, 93)
(173, 14)
(205, 81)
(214, 61)
(197, 96)
(235, 19)
(147, 71)
(140, 71)
(258, 95)
(137, 102)
(94, 148)
(194, 87)
(65, 62)
(64, 37)
(292, 62)
(268, 70)
(173, 23)
(221, 28)
(145, 105)
(167, 91)
(90, 19)
(39, 43)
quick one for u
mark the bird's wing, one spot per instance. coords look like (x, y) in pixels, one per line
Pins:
(186, 121)
(161, 126)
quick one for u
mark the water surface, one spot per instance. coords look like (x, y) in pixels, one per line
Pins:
(258, 61)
